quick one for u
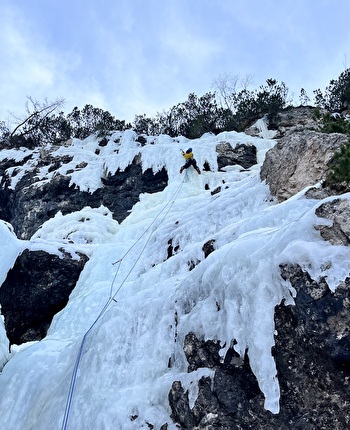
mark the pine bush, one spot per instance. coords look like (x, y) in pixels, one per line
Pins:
(339, 174)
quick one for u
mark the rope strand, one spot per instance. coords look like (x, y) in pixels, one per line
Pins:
(112, 296)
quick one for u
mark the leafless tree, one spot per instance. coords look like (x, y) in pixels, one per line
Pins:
(36, 113)
(227, 86)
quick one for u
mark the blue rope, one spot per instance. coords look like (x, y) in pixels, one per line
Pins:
(109, 301)
(76, 367)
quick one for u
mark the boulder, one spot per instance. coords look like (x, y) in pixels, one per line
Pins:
(243, 155)
(36, 288)
(299, 159)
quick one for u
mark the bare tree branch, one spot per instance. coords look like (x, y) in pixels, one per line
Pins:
(228, 85)
(41, 110)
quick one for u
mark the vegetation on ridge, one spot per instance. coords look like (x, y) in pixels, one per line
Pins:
(231, 107)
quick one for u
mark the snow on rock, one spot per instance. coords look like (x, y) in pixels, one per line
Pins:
(135, 304)
(75, 232)
(86, 162)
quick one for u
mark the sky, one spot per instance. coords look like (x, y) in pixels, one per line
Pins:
(134, 57)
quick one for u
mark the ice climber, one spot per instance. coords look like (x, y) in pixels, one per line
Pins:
(190, 161)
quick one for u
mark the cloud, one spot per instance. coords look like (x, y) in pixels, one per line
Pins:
(33, 68)
(134, 57)
(27, 67)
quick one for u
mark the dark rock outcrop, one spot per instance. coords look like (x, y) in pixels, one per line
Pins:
(232, 400)
(36, 288)
(312, 354)
(208, 247)
(244, 155)
(28, 207)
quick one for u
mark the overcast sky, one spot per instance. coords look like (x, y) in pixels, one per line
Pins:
(145, 56)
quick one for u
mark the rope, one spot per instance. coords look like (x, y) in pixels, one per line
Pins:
(171, 201)
(112, 296)
(76, 367)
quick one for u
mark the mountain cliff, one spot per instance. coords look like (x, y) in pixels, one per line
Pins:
(135, 297)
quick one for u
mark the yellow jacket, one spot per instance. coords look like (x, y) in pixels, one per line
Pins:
(187, 155)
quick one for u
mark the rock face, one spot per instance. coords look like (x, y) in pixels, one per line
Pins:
(299, 159)
(293, 119)
(312, 354)
(338, 211)
(222, 403)
(28, 207)
(36, 288)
